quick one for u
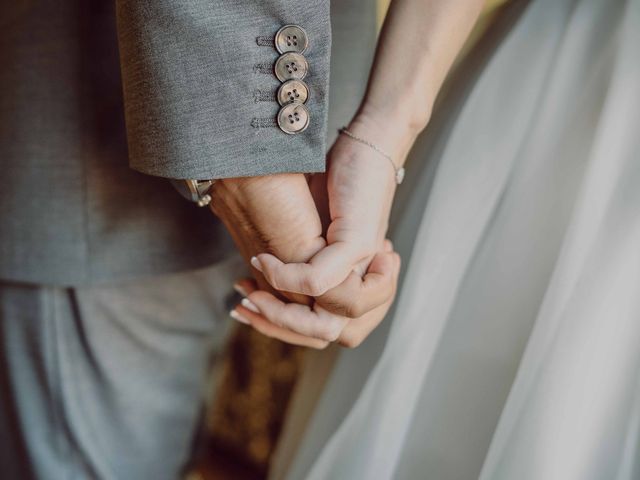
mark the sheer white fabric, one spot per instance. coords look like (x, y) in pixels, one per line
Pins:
(514, 351)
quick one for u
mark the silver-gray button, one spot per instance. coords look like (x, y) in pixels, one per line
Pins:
(293, 91)
(291, 38)
(293, 118)
(291, 65)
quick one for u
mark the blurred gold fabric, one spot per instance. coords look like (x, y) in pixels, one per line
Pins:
(257, 378)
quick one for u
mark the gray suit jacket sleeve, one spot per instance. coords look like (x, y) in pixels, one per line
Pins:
(199, 87)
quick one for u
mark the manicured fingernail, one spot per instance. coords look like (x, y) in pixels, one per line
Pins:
(240, 289)
(249, 305)
(256, 263)
(236, 316)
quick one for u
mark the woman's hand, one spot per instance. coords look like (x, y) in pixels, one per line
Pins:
(353, 279)
(315, 326)
(360, 184)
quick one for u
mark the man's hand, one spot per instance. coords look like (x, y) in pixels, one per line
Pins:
(273, 213)
(278, 214)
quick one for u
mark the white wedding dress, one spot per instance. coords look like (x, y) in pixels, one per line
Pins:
(513, 352)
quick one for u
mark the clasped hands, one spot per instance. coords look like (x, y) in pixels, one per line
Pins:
(323, 271)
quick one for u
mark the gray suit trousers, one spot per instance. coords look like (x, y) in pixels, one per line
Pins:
(107, 382)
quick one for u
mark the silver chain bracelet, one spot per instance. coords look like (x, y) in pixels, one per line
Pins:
(399, 171)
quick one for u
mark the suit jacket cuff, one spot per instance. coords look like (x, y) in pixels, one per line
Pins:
(199, 86)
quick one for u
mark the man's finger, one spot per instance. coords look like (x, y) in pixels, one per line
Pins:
(326, 270)
(356, 296)
(358, 330)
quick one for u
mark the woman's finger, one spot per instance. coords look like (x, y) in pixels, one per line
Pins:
(326, 270)
(272, 330)
(285, 321)
(245, 286)
(316, 323)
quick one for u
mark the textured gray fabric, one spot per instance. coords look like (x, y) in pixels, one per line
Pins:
(107, 383)
(190, 70)
(71, 210)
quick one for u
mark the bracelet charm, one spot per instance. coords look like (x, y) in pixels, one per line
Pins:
(399, 170)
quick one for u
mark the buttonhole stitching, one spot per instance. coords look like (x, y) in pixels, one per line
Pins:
(263, 96)
(263, 68)
(263, 122)
(265, 41)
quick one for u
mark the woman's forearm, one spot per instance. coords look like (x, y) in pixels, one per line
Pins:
(418, 44)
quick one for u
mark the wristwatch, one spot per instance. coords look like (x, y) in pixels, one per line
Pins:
(196, 191)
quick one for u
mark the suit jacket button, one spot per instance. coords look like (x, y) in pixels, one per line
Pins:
(291, 65)
(293, 118)
(291, 38)
(293, 91)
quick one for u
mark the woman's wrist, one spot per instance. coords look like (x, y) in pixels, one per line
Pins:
(392, 132)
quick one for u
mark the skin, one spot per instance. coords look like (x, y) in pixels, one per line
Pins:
(261, 215)
(314, 326)
(281, 215)
(419, 42)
